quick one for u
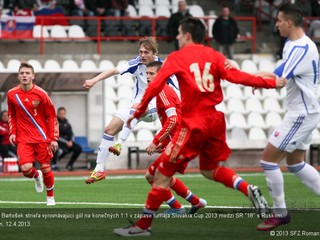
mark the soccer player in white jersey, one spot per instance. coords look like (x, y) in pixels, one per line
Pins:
(148, 50)
(293, 137)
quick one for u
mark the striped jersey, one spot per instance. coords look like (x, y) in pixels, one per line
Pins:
(300, 65)
(32, 115)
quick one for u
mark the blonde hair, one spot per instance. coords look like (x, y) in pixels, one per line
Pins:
(149, 43)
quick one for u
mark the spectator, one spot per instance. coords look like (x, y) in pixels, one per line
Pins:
(315, 5)
(225, 31)
(174, 21)
(6, 149)
(66, 143)
(30, 5)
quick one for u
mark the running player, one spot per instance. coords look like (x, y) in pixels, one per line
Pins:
(292, 138)
(169, 111)
(199, 70)
(33, 129)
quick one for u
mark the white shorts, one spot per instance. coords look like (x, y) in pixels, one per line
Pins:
(295, 132)
(151, 116)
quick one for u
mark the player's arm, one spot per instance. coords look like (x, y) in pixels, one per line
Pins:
(154, 88)
(12, 119)
(102, 76)
(50, 115)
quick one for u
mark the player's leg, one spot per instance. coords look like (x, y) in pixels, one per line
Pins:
(159, 193)
(308, 174)
(44, 154)
(103, 154)
(26, 160)
(175, 205)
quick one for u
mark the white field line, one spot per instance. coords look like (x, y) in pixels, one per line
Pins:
(22, 179)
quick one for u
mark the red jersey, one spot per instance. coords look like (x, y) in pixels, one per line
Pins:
(32, 115)
(169, 111)
(199, 70)
(4, 133)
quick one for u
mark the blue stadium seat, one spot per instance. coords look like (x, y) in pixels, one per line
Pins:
(83, 142)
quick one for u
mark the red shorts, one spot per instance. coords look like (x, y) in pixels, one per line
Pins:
(29, 152)
(203, 135)
(153, 167)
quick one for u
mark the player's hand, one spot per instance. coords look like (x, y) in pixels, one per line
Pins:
(151, 148)
(88, 83)
(54, 146)
(281, 82)
(12, 140)
(160, 148)
(128, 123)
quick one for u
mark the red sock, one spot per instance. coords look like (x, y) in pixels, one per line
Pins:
(173, 202)
(48, 180)
(178, 186)
(155, 198)
(31, 173)
(230, 179)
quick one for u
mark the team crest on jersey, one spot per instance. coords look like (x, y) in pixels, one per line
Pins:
(35, 103)
(276, 134)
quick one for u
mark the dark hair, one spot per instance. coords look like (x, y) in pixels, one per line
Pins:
(293, 13)
(156, 64)
(26, 65)
(195, 27)
(61, 108)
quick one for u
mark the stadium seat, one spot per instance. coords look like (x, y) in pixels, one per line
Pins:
(110, 93)
(110, 106)
(272, 93)
(273, 119)
(105, 64)
(256, 133)
(39, 31)
(132, 12)
(13, 65)
(254, 105)
(222, 107)
(88, 65)
(233, 91)
(2, 66)
(59, 33)
(247, 93)
(83, 142)
(76, 32)
(266, 66)
(249, 66)
(272, 105)
(196, 11)
(238, 134)
(148, 3)
(237, 119)
(51, 65)
(235, 105)
(144, 135)
(145, 24)
(70, 65)
(36, 65)
(255, 119)
(159, 3)
(163, 14)
(111, 81)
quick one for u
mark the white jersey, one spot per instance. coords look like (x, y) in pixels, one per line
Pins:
(138, 70)
(301, 67)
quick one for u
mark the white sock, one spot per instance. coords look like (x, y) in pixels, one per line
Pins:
(103, 153)
(308, 175)
(125, 132)
(275, 184)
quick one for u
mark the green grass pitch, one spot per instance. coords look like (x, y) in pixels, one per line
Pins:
(92, 211)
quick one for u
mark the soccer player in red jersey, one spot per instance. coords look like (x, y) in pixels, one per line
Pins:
(169, 112)
(199, 70)
(33, 129)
